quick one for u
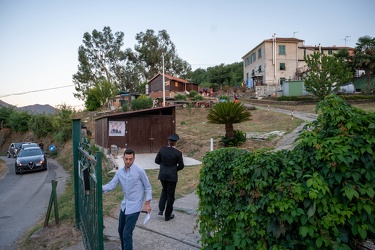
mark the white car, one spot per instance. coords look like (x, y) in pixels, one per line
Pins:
(347, 88)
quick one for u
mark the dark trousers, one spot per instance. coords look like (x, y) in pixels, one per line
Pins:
(126, 226)
(167, 196)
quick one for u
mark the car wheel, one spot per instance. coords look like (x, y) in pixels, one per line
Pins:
(8, 154)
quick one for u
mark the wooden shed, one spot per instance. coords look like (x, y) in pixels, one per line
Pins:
(173, 85)
(145, 131)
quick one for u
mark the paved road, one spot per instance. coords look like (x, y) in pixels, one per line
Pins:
(24, 199)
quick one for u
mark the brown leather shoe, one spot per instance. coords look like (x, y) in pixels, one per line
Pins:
(170, 217)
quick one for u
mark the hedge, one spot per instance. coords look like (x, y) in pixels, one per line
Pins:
(320, 195)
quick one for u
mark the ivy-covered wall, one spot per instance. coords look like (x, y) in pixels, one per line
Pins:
(318, 196)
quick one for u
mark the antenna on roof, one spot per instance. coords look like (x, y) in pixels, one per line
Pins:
(346, 38)
(294, 33)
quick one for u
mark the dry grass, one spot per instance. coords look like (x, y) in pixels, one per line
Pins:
(3, 168)
(195, 133)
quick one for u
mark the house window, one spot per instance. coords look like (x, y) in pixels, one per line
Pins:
(247, 61)
(282, 80)
(282, 66)
(281, 49)
(167, 83)
(176, 84)
(260, 68)
(330, 52)
(252, 72)
(260, 53)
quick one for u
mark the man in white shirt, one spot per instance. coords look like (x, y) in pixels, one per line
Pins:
(136, 189)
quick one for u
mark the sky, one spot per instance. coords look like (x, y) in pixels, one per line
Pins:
(39, 39)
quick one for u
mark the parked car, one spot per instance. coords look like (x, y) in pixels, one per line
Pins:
(347, 88)
(27, 145)
(13, 149)
(30, 159)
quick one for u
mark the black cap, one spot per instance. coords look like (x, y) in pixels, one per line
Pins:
(173, 137)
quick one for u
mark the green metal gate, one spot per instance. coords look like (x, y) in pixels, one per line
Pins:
(87, 190)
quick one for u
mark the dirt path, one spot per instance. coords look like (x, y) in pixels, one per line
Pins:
(287, 141)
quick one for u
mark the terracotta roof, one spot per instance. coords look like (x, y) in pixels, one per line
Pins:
(169, 77)
(278, 40)
(327, 47)
(284, 39)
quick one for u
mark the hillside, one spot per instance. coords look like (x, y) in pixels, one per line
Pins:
(32, 109)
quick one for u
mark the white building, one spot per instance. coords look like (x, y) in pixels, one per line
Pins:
(276, 60)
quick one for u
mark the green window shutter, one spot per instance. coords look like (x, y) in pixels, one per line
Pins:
(282, 66)
(282, 50)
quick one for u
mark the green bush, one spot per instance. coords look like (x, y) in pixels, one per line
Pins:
(141, 103)
(180, 97)
(5, 113)
(192, 93)
(239, 138)
(18, 121)
(225, 97)
(198, 98)
(41, 125)
(319, 195)
(125, 107)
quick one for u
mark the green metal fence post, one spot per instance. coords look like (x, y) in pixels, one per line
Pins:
(76, 138)
(99, 199)
(56, 207)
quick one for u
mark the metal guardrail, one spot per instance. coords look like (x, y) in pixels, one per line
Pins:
(87, 190)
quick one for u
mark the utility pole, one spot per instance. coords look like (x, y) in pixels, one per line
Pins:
(163, 83)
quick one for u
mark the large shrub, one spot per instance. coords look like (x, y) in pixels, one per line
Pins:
(41, 125)
(5, 113)
(318, 196)
(180, 97)
(18, 121)
(142, 102)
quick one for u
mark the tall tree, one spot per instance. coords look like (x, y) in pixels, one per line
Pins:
(228, 113)
(149, 53)
(99, 56)
(364, 56)
(221, 75)
(344, 56)
(326, 74)
(100, 94)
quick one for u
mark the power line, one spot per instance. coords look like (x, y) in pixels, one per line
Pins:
(39, 90)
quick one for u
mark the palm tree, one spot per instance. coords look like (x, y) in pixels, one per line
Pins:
(228, 113)
(364, 56)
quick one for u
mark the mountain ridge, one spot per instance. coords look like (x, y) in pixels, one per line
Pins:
(32, 109)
